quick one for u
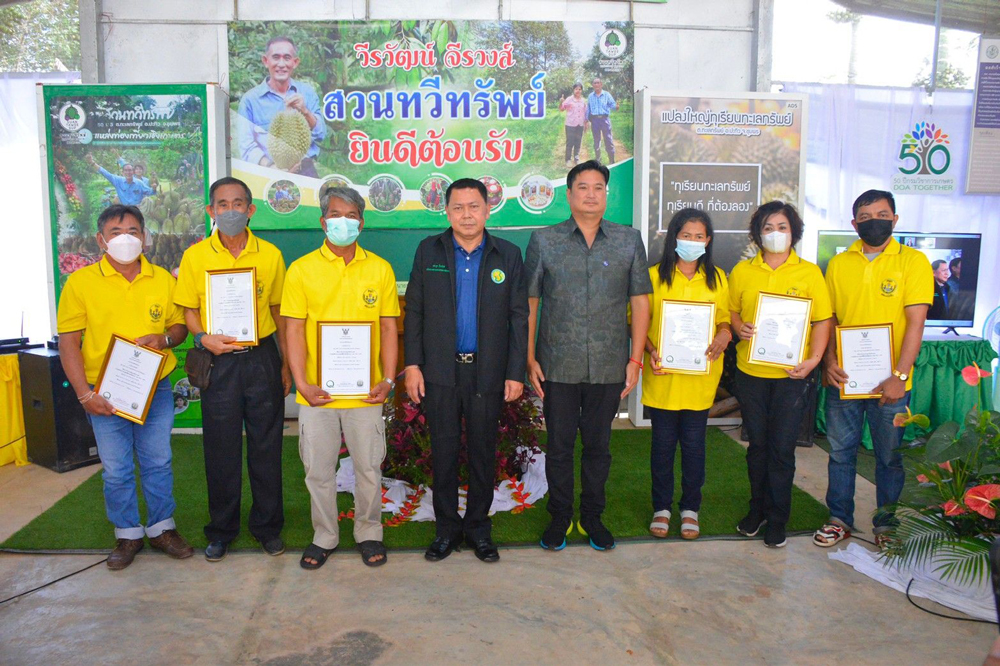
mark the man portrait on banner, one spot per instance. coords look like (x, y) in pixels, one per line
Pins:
(276, 93)
(600, 104)
(129, 189)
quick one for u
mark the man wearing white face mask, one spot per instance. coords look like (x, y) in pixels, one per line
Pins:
(125, 294)
(247, 383)
(341, 282)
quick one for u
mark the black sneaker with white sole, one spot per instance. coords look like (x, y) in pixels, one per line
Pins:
(751, 524)
(774, 536)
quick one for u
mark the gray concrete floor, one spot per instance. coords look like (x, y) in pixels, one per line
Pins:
(705, 602)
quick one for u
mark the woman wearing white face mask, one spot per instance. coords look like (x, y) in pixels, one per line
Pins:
(772, 399)
(679, 403)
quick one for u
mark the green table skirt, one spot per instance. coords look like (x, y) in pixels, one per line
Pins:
(938, 388)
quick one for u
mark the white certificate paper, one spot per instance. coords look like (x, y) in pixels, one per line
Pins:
(686, 331)
(345, 369)
(128, 378)
(232, 304)
(781, 326)
(865, 354)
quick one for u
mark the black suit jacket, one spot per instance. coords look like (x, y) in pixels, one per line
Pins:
(429, 335)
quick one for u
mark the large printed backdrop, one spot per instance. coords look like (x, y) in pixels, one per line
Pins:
(406, 107)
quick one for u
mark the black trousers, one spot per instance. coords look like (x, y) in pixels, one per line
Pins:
(574, 139)
(245, 390)
(445, 407)
(589, 408)
(772, 415)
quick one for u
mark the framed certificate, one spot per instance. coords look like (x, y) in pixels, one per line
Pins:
(231, 301)
(867, 355)
(129, 376)
(686, 330)
(344, 358)
(781, 330)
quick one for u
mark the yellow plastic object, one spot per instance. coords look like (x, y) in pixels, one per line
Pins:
(13, 448)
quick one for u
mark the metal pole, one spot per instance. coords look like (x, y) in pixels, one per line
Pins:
(937, 45)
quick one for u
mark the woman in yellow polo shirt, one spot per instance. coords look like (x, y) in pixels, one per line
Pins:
(679, 403)
(772, 399)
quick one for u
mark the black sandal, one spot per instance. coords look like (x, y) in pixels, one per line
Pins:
(370, 549)
(314, 552)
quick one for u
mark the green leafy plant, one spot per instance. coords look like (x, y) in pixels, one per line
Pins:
(951, 520)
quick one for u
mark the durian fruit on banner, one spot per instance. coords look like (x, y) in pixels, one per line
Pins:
(288, 139)
(169, 213)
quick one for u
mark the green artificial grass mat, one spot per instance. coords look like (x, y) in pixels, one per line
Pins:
(77, 521)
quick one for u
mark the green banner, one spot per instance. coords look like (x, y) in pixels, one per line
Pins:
(143, 145)
(400, 109)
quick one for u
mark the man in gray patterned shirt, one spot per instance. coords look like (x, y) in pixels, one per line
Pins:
(585, 271)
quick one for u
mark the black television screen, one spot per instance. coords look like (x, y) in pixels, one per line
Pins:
(954, 258)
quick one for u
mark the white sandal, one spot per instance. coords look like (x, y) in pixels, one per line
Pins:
(660, 525)
(689, 530)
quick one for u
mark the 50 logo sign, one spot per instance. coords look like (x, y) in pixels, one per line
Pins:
(925, 160)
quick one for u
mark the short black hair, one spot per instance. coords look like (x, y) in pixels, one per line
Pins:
(589, 165)
(870, 197)
(765, 211)
(279, 39)
(116, 212)
(936, 264)
(954, 262)
(466, 184)
(228, 180)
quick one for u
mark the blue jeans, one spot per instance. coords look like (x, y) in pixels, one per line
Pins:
(844, 425)
(118, 440)
(669, 427)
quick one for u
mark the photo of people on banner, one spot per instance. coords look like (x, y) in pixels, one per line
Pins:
(133, 148)
(388, 105)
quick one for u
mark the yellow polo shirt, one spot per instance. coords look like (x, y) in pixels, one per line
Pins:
(99, 301)
(680, 391)
(795, 277)
(211, 255)
(878, 292)
(320, 287)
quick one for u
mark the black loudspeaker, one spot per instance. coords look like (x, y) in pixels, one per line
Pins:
(58, 434)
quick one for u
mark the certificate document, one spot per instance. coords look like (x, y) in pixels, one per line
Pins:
(344, 357)
(781, 330)
(129, 377)
(231, 300)
(866, 355)
(686, 331)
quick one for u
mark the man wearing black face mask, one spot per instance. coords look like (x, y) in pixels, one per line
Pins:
(876, 281)
(247, 383)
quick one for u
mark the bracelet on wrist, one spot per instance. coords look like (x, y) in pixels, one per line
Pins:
(86, 396)
(638, 363)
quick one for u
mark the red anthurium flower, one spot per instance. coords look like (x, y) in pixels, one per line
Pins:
(980, 499)
(953, 508)
(946, 466)
(922, 478)
(971, 374)
(906, 418)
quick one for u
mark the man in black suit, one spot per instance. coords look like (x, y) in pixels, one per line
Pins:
(466, 343)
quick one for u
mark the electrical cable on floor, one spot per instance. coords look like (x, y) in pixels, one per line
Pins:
(947, 617)
(52, 582)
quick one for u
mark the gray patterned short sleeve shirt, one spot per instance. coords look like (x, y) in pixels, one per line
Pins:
(583, 336)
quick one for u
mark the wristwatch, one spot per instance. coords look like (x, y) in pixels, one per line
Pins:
(197, 340)
(391, 383)
(168, 341)
(901, 375)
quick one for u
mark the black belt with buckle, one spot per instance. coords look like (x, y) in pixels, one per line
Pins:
(465, 358)
(249, 348)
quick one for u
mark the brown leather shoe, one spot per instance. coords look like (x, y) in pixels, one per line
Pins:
(173, 544)
(124, 553)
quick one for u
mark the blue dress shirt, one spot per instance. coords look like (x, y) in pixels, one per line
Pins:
(130, 194)
(467, 297)
(600, 105)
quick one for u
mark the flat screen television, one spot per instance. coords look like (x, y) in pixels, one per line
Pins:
(954, 258)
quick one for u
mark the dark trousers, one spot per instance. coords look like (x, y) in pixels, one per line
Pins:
(445, 407)
(589, 408)
(772, 415)
(245, 389)
(688, 427)
(600, 127)
(574, 139)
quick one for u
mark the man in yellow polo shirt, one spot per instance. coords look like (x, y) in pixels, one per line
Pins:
(125, 294)
(876, 281)
(248, 383)
(341, 282)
